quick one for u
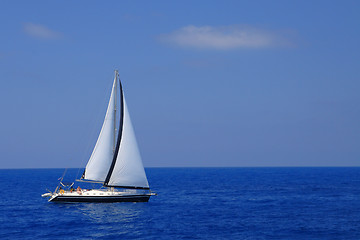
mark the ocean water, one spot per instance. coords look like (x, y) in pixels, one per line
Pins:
(192, 203)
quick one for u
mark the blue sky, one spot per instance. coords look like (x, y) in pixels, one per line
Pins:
(208, 83)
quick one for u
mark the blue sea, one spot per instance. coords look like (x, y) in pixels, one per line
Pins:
(192, 203)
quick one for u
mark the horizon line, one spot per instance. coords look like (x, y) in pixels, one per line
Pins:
(345, 166)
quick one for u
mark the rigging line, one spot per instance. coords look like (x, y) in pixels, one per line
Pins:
(60, 179)
(91, 134)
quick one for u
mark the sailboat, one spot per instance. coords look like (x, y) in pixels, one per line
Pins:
(115, 161)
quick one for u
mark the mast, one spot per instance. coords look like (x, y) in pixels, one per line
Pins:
(115, 99)
(119, 134)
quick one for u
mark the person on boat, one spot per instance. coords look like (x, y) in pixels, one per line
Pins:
(71, 189)
(78, 190)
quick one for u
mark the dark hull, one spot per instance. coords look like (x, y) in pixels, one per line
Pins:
(131, 198)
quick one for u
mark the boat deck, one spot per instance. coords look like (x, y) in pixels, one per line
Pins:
(100, 195)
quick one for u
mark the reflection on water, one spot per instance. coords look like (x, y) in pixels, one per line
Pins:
(106, 219)
(110, 212)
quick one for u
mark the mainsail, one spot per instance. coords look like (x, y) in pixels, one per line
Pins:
(120, 166)
(128, 170)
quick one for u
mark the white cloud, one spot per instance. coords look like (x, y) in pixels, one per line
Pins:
(40, 31)
(228, 37)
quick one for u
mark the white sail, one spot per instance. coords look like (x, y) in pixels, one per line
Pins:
(128, 169)
(102, 155)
